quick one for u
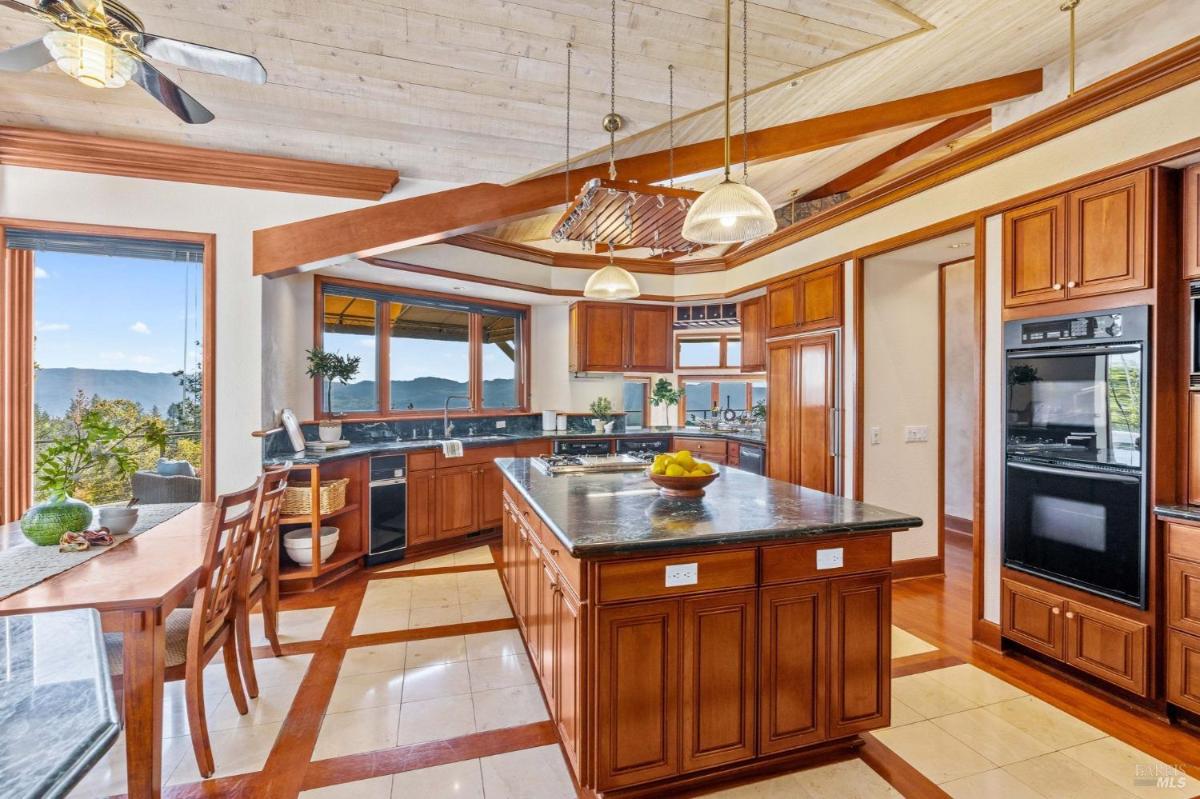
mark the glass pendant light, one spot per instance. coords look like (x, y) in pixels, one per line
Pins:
(729, 213)
(611, 283)
(91, 61)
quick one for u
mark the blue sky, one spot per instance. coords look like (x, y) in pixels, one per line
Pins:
(101, 312)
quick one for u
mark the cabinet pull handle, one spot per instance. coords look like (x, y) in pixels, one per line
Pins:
(1070, 614)
(1055, 611)
(1070, 284)
(1058, 286)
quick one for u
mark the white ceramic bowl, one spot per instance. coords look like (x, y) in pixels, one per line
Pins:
(118, 518)
(298, 544)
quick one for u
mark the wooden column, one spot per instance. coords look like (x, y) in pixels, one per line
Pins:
(16, 383)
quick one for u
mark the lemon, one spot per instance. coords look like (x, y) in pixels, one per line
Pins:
(697, 473)
(704, 468)
(675, 470)
(658, 468)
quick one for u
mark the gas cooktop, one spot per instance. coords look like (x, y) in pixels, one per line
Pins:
(573, 464)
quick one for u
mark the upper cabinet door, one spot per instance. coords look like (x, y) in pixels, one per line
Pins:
(821, 298)
(783, 307)
(1109, 226)
(1191, 221)
(650, 338)
(1035, 253)
(601, 337)
(753, 316)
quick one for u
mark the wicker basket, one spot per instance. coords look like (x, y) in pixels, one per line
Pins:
(297, 498)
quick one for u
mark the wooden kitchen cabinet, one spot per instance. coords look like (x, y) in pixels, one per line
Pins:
(422, 508)
(1091, 241)
(802, 438)
(457, 501)
(568, 674)
(752, 314)
(708, 449)
(1108, 646)
(860, 637)
(1183, 595)
(782, 389)
(1183, 670)
(637, 729)
(792, 680)
(491, 495)
(718, 690)
(1032, 618)
(622, 337)
(812, 300)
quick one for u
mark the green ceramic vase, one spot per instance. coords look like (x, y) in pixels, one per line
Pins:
(44, 523)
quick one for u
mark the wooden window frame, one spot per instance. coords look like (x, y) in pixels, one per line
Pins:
(723, 338)
(645, 381)
(208, 343)
(322, 283)
(749, 379)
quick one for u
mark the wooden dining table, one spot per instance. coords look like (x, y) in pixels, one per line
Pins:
(134, 586)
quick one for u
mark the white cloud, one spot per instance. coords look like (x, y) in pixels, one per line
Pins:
(39, 273)
(140, 327)
(50, 327)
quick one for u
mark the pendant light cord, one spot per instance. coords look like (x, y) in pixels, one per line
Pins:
(567, 172)
(728, 41)
(612, 94)
(745, 92)
(671, 125)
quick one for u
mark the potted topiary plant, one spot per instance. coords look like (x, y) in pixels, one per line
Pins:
(91, 444)
(330, 367)
(601, 408)
(665, 394)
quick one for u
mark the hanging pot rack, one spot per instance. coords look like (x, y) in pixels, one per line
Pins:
(627, 215)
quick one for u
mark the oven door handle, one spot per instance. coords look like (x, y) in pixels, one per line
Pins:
(393, 481)
(1112, 349)
(1060, 472)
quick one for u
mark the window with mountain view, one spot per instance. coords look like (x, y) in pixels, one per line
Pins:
(425, 350)
(118, 325)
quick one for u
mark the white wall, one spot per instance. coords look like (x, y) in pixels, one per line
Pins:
(232, 215)
(960, 389)
(900, 367)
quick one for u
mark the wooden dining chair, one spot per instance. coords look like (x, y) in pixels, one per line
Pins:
(260, 575)
(195, 634)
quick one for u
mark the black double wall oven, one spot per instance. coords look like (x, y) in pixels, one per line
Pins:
(1076, 427)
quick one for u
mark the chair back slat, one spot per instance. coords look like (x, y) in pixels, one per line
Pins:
(231, 529)
(263, 553)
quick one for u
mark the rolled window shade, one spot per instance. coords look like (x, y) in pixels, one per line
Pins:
(116, 246)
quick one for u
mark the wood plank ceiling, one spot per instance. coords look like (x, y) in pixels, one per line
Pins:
(473, 91)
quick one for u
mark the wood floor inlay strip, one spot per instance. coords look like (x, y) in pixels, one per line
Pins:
(922, 662)
(898, 773)
(425, 633)
(470, 567)
(351, 768)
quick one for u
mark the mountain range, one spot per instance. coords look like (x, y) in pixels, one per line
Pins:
(55, 388)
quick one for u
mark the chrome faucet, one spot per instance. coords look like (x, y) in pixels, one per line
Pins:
(447, 427)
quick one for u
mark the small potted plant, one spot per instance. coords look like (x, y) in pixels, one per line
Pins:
(602, 409)
(91, 445)
(330, 367)
(665, 394)
(759, 412)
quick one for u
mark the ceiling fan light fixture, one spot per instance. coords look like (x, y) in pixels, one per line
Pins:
(91, 61)
(611, 283)
(729, 213)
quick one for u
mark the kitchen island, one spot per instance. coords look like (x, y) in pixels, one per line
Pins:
(681, 642)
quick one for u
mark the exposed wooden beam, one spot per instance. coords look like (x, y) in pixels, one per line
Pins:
(936, 136)
(76, 152)
(433, 217)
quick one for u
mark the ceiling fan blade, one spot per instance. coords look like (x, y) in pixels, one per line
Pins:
(203, 58)
(166, 92)
(22, 7)
(25, 57)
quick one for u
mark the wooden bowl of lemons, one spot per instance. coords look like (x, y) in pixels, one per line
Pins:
(678, 474)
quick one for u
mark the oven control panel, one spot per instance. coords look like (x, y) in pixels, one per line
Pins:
(1080, 328)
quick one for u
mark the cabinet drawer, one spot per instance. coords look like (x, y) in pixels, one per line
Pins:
(1032, 618)
(1108, 646)
(644, 579)
(529, 449)
(421, 461)
(1183, 670)
(704, 447)
(789, 562)
(569, 567)
(1183, 595)
(473, 455)
(1183, 541)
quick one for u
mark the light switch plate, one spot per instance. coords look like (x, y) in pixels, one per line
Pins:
(500, 425)
(682, 574)
(916, 433)
(830, 559)
(875, 436)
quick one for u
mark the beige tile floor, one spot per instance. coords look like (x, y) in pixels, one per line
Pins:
(431, 600)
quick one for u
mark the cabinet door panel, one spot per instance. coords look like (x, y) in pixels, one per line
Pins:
(457, 505)
(1191, 221)
(547, 641)
(603, 338)
(1109, 224)
(520, 571)
(1035, 253)
(650, 338)
(637, 692)
(491, 495)
(753, 317)
(860, 641)
(534, 622)
(814, 454)
(567, 661)
(821, 298)
(1183, 595)
(1109, 646)
(1183, 670)
(718, 679)
(782, 388)
(783, 307)
(1032, 618)
(792, 679)
(422, 508)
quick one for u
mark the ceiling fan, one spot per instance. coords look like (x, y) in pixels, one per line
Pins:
(103, 44)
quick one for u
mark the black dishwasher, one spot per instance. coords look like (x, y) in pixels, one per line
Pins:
(389, 509)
